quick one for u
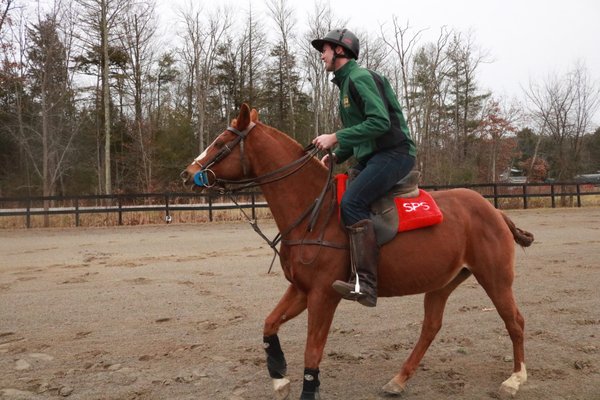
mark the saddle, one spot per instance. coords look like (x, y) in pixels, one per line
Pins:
(404, 207)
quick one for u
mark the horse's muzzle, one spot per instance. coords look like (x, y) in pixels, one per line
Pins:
(185, 177)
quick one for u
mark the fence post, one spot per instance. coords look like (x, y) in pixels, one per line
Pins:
(495, 195)
(28, 215)
(552, 195)
(253, 206)
(77, 211)
(210, 210)
(525, 197)
(167, 216)
(120, 210)
(578, 196)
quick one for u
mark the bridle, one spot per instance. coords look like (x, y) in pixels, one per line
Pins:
(229, 187)
(201, 178)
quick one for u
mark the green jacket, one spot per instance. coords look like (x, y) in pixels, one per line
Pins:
(371, 114)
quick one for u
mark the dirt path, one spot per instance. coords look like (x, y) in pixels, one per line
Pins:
(176, 312)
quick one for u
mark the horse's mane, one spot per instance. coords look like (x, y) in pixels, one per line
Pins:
(286, 141)
(281, 136)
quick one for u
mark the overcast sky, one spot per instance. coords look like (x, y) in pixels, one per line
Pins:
(525, 39)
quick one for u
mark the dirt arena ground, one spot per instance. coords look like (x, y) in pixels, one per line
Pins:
(176, 312)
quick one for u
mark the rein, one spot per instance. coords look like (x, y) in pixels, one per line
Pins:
(202, 179)
(272, 176)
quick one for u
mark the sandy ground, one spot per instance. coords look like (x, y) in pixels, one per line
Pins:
(176, 312)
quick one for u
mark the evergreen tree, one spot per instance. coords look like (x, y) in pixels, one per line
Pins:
(49, 140)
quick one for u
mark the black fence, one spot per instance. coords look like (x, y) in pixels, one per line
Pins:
(121, 204)
(502, 195)
(526, 195)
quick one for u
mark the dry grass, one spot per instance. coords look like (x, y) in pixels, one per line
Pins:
(129, 218)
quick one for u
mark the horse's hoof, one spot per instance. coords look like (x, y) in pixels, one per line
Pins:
(281, 388)
(506, 392)
(511, 386)
(393, 388)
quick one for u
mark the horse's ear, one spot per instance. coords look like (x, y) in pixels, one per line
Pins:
(254, 115)
(243, 119)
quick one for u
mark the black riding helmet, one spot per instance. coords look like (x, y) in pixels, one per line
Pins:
(340, 37)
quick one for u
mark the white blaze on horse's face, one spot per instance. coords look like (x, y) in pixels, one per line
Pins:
(200, 157)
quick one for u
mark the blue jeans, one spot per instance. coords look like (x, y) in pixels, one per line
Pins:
(377, 176)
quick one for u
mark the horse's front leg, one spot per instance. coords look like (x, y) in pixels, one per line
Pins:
(321, 309)
(291, 304)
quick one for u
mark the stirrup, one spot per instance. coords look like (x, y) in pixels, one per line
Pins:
(356, 290)
(347, 291)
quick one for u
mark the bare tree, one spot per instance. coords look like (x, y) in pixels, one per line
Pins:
(563, 108)
(324, 93)
(421, 71)
(137, 40)
(14, 76)
(202, 39)
(100, 20)
(402, 42)
(374, 55)
(254, 44)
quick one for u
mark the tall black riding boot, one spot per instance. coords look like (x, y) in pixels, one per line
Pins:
(364, 257)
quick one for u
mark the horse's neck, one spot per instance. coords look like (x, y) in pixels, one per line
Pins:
(289, 197)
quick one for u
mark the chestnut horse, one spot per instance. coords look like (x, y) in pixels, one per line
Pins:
(474, 238)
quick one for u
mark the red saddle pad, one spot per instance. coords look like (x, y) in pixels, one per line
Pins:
(417, 212)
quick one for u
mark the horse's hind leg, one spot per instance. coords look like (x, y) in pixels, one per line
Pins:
(434, 303)
(503, 298)
(291, 304)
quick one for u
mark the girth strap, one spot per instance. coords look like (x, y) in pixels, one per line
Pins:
(315, 242)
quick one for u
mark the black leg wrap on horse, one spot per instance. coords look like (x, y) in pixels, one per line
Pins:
(275, 359)
(310, 387)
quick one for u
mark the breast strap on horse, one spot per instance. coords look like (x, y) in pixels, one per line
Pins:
(313, 210)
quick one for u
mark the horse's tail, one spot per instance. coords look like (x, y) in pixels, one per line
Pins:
(523, 238)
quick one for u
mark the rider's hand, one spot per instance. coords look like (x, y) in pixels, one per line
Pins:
(325, 142)
(325, 159)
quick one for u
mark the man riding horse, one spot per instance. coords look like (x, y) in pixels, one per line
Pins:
(376, 134)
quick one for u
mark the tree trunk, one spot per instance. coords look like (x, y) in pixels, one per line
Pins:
(106, 97)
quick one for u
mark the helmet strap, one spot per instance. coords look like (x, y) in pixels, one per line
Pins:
(336, 55)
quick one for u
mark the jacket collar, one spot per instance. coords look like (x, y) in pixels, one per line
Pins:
(341, 74)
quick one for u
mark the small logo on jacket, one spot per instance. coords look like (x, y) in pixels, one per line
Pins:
(346, 102)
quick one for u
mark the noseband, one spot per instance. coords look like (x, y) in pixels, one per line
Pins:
(201, 177)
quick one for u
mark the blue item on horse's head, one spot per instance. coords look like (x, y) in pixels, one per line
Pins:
(201, 178)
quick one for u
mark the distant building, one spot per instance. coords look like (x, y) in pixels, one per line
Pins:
(590, 178)
(513, 175)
